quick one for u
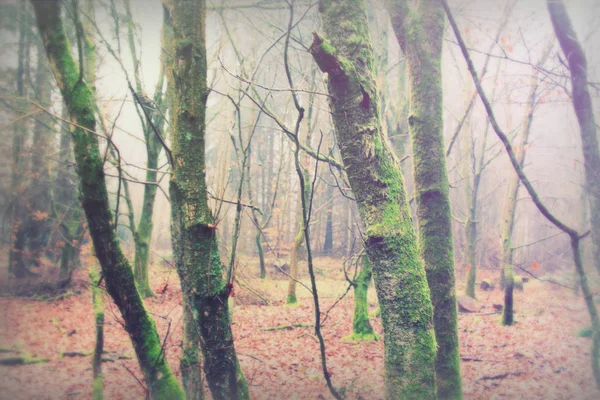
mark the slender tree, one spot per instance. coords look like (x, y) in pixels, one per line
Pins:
(98, 308)
(419, 31)
(582, 103)
(16, 264)
(345, 53)
(194, 238)
(116, 270)
(507, 220)
(152, 116)
(574, 236)
(328, 241)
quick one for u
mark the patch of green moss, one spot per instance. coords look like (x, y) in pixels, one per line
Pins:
(328, 48)
(360, 337)
(586, 332)
(291, 300)
(98, 387)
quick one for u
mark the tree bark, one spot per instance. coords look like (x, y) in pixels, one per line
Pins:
(194, 236)
(419, 31)
(191, 372)
(582, 103)
(116, 271)
(374, 175)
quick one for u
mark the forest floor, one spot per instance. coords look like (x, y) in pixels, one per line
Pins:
(540, 357)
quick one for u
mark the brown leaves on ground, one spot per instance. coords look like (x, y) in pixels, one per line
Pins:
(539, 357)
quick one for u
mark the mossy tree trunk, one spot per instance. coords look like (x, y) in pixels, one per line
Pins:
(67, 208)
(507, 219)
(419, 31)
(361, 326)
(98, 307)
(88, 19)
(116, 271)
(152, 114)
(143, 232)
(346, 55)
(195, 246)
(191, 372)
(582, 103)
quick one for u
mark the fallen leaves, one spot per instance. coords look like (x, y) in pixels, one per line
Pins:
(539, 357)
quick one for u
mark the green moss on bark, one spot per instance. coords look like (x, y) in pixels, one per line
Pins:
(194, 236)
(419, 31)
(94, 199)
(374, 175)
(361, 326)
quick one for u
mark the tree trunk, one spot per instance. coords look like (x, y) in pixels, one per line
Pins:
(507, 219)
(194, 236)
(39, 226)
(146, 225)
(16, 263)
(98, 381)
(361, 326)
(419, 31)
(291, 298)
(582, 102)
(328, 242)
(472, 192)
(67, 208)
(154, 112)
(374, 175)
(191, 373)
(116, 271)
(467, 169)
